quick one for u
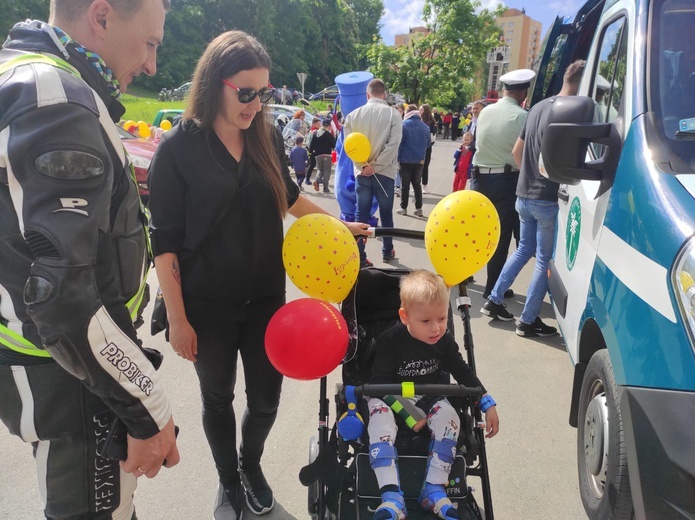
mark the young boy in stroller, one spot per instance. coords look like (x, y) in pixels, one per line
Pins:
(419, 350)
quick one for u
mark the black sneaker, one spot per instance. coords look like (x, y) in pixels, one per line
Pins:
(367, 263)
(389, 256)
(259, 496)
(497, 311)
(227, 503)
(536, 329)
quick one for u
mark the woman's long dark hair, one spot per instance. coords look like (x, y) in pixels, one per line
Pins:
(228, 54)
(427, 117)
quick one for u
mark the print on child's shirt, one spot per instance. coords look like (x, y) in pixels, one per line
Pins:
(420, 367)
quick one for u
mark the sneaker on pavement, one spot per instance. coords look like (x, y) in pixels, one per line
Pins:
(424, 189)
(389, 256)
(418, 213)
(326, 190)
(366, 264)
(497, 311)
(398, 192)
(259, 496)
(227, 503)
(509, 293)
(536, 329)
(316, 185)
(402, 211)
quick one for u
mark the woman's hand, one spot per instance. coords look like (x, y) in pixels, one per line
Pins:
(183, 339)
(492, 422)
(358, 228)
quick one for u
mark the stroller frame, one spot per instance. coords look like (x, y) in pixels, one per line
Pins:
(317, 500)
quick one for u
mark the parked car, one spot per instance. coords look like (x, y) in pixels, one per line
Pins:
(172, 114)
(329, 93)
(181, 92)
(140, 151)
(622, 277)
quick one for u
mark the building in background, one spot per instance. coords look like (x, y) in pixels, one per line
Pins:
(402, 40)
(523, 36)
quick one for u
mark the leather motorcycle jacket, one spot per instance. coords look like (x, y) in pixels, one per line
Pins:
(73, 242)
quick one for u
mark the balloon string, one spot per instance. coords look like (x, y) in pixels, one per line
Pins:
(379, 183)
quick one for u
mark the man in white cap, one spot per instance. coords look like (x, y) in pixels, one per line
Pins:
(495, 173)
(538, 207)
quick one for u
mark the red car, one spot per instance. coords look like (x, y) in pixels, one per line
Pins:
(140, 152)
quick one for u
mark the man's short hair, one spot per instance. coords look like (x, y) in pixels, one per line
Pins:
(69, 10)
(376, 87)
(478, 102)
(423, 287)
(574, 72)
(411, 108)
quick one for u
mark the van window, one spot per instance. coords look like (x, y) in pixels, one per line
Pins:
(609, 76)
(672, 71)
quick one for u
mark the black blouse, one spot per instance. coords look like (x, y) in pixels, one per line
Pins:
(218, 216)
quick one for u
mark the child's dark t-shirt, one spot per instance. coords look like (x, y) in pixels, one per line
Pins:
(400, 358)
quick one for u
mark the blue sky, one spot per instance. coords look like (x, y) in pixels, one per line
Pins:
(402, 14)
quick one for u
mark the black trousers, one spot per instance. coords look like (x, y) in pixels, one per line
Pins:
(500, 188)
(65, 423)
(312, 165)
(224, 333)
(411, 173)
(426, 166)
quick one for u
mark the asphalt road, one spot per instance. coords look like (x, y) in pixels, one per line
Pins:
(532, 460)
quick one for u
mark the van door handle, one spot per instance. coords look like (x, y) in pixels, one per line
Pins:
(563, 195)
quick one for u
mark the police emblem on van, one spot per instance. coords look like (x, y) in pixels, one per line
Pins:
(574, 226)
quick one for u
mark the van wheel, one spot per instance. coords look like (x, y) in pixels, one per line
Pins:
(604, 483)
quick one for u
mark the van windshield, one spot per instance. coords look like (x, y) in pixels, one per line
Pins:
(673, 79)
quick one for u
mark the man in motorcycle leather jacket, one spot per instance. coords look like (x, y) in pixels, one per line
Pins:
(74, 256)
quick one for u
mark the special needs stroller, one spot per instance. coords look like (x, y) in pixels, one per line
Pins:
(341, 483)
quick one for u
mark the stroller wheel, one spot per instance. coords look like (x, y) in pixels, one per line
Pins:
(313, 489)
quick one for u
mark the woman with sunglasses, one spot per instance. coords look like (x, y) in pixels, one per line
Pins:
(219, 190)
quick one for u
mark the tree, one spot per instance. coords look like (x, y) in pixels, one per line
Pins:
(441, 65)
(13, 11)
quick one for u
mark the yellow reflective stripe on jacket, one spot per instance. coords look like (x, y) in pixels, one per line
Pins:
(26, 59)
(18, 343)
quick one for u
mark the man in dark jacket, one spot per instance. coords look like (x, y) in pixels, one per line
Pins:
(411, 157)
(322, 144)
(74, 257)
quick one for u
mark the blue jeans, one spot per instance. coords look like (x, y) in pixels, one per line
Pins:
(367, 188)
(538, 220)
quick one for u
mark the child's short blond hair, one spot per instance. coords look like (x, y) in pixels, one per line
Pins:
(423, 287)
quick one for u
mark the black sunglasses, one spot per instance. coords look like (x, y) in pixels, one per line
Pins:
(246, 95)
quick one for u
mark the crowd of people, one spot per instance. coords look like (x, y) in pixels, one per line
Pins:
(219, 181)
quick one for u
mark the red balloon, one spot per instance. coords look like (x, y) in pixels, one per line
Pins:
(306, 339)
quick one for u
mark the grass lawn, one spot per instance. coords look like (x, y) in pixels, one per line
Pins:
(142, 105)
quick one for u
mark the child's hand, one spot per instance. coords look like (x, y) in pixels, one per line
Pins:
(419, 425)
(492, 422)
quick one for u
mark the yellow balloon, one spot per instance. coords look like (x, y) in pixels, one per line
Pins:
(165, 125)
(128, 124)
(321, 257)
(357, 147)
(143, 129)
(461, 235)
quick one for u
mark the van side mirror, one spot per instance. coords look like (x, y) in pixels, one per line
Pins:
(569, 133)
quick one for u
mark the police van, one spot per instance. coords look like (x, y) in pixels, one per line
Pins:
(622, 280)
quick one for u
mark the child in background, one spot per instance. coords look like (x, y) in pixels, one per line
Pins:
(462, 162)
(420, 350)
(299, 158)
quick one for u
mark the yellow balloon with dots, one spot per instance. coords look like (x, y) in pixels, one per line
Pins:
(461, 235)
(321, 257)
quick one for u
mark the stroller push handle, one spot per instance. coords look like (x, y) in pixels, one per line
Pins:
(397, 233)
(410, 389)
